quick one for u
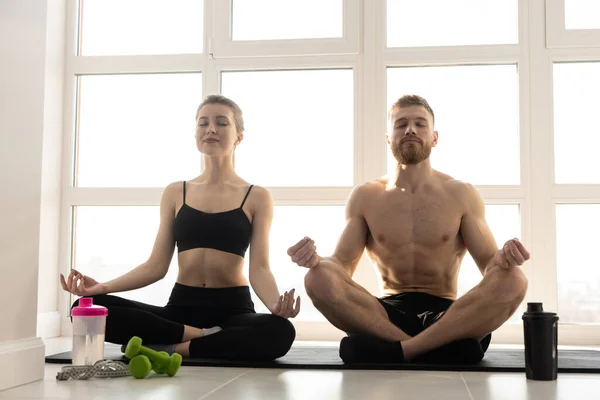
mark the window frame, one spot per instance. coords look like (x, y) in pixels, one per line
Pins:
(363, 49)
(223, 46)
(558, 36)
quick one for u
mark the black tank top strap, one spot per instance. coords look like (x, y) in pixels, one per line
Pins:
(245, 197)
(183, 192)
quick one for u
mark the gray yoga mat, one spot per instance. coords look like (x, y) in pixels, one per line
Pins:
(327, 357)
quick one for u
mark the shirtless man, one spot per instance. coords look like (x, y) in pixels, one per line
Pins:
(416, 226)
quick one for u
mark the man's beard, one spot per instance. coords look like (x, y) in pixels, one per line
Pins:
(412, 153)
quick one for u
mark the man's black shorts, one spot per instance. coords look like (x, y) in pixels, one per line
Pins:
(413, 312)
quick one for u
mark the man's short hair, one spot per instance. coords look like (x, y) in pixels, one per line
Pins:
(411, 100)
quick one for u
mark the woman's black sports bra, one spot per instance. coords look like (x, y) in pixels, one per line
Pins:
(228, 231)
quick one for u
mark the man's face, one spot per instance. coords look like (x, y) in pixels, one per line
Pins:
(412, 134)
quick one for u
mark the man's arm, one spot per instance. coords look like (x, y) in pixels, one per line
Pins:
(352, 243)
(474, 229)
(350, 246)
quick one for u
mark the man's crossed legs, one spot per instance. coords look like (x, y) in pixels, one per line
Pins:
(415, 326)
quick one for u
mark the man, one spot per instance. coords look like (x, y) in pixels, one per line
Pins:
(416, 226)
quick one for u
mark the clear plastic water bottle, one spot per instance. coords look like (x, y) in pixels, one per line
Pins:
(89, 323)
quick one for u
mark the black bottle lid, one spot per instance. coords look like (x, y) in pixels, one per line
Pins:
(535, 307)
(537, 310)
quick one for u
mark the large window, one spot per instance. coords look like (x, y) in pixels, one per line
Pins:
(291, 130)
(476, 116)
(582, 14)
(110, 241)
(576, 139)
(253, 19)
(428, 23)
(136, 130)
(578, 272)
(161, 27)
(512, 84)
(323, 224)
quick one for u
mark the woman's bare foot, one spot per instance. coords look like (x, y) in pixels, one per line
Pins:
(190, 332)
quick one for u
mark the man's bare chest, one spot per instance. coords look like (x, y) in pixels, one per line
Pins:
(430, 221)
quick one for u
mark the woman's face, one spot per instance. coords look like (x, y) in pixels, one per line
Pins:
(216, 134)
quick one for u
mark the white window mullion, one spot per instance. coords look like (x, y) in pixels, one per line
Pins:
(113, 196)
(453, 55)
(574, 54)
(209, 27)
(68, 127)
(152, 196)
(525, 130)
(374, 127)
(277, 62)
(510, 193)
(576, 193)
(543, 279)
(138, 64)
(64, 254)
(307, 196)
(555, 23)
(211, 82)
(358, 126)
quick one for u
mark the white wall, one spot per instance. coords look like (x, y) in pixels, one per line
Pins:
(22, 117)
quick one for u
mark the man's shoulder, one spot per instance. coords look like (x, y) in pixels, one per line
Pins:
(464, 192)
(362, 195)
(369, 188)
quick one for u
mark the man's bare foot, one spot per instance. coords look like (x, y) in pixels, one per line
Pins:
(357, 349)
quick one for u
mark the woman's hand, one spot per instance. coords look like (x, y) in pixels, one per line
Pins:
(285, 306)
(81, 285)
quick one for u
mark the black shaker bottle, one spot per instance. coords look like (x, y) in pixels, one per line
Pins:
(541, 340)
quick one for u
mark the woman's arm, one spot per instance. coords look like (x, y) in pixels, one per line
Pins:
(261, 277)
(154, 269)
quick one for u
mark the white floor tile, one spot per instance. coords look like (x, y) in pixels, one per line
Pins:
(346, 385)
(200, 383)
(189, 383)
(515, 386)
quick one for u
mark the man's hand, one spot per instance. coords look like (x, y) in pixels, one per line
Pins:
(513, 253)
(81, 285)
(285, 306)
(304, 253)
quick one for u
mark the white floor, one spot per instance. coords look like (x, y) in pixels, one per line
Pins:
(265, 384)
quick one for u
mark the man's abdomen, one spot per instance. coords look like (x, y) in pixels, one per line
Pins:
(418, 270)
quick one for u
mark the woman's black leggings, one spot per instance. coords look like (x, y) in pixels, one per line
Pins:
(245, 335)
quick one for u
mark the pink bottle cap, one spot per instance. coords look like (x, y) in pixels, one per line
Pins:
(86, 308)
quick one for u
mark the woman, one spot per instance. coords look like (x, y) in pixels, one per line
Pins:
(212, 220)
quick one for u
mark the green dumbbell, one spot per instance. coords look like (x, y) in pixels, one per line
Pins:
(160, 369)
(139, 367)
(160, 362)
